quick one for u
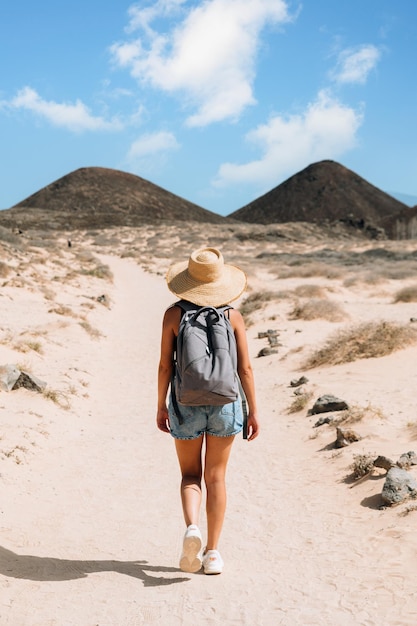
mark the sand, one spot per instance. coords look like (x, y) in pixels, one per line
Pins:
(91, 524)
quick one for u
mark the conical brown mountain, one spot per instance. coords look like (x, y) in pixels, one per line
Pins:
(96, 197)
(324, 191)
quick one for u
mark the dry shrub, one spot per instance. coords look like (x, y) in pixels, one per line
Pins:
(44, 241)
(13, 454)
(85, 256)
(47, 292)
(366, 278)
(93, 332)
(28, 345)
(318, 308)
(99, 271)
(355, 414)
(311, 270)
(363, 341)
(106, 239)
(58, 397)
(300, 402)
(60, 309)
(363, 464)
(310, 291)
(407, 294)
(400, 272)
(255, 302)
(129, 254)
(4, 269)
(412, 426)
(87, 264)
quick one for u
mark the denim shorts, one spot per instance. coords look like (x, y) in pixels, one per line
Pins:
(220, 421)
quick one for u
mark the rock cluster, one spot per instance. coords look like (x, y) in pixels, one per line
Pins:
(273, 343)
(399, 484)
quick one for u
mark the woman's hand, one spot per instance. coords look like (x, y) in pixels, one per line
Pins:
(253, 427)
(162, 420)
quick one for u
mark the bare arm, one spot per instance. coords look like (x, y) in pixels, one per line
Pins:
(245, 371)
(169, 331)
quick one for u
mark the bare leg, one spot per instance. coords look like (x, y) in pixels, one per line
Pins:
(217, 455)
(189, 457)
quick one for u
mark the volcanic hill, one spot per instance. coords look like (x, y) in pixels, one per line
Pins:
(96, 197)
(323, 192)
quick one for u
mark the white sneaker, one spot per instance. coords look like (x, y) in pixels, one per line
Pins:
(191, 550)
(212, 562)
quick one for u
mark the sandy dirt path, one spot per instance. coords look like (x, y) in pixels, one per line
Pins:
(93, 530)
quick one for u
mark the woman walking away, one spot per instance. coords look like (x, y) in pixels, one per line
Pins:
(204, 433)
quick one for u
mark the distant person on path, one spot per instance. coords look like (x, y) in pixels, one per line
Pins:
(204, 280)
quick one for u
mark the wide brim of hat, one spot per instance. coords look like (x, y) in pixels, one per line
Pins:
(228, 288)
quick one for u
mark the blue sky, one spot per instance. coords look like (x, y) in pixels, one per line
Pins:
(217, 101)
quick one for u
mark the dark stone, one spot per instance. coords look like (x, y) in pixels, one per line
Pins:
(29, 382)
(324, 420)
(384, 463)
(327, 403)
(300, 381)
(399, 486)
(407, 459)
(267, 352)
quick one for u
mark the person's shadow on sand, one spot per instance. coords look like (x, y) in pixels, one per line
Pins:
(14, 565)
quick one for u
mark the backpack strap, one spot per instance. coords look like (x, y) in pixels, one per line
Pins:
(186, 306)
(174, 399)
(244, 405)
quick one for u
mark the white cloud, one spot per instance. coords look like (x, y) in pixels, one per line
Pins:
(355, 64)
(74, 117)
(141, 19)
(151, 144)
(114, 93)
(325, 130)
(208, 57)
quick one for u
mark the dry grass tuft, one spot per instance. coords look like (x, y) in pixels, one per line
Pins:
(4, 269)
(99, 271)
(93, 332)
(254, 302)
(317, 308)
(13, 454)
(412, 426)
(57, 397)
(300, 402)
(407, 294)
(311, 270)
(61, 309)
(363, 341)
(29, 345)
(310, 291)
(364, 278)
(355, 414)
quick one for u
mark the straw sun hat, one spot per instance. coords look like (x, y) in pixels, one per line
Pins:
(205, 279)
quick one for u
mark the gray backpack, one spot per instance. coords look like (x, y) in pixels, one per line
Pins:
(205, 371)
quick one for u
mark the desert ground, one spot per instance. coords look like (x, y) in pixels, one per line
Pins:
(90, 516)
